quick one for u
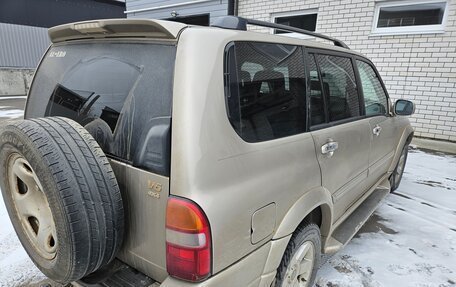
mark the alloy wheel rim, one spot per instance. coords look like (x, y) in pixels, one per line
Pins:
(32, 207)
(301, 265)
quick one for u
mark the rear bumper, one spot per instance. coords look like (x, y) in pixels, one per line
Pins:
(256, 269)
(246, 272)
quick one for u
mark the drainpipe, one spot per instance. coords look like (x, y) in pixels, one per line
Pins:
(233, 7)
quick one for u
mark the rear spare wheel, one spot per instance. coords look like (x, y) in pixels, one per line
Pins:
(61, 195)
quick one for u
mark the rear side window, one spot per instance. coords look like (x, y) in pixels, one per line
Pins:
(339, 86)
(265, 90)
(120, 92)
(375, 100)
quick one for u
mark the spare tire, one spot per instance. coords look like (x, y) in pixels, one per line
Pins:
(61, 195)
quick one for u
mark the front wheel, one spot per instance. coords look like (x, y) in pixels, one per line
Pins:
(301, 259)
(396, 177)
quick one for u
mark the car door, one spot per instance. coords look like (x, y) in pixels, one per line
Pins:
(383, 131)
(341, 135)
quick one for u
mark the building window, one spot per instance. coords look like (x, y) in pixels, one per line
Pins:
(306, 20)
(407, 17)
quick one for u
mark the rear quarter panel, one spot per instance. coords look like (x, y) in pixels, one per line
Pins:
(211, 165)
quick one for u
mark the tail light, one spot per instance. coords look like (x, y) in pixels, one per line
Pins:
(188, 241)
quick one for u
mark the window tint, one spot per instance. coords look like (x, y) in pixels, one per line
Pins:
(339, 86)
(83, 97)
(375, 99)
(306, 21)
(317, 104)
(120, 92)
(266, 91)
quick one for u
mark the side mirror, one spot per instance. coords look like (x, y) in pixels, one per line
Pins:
(404, 108)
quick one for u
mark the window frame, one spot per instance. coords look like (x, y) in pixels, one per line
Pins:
(327, 124)
(29, 110)
(308, 91)
(307, 51)
(404, 30)
(227, 83)
(368, 62)
(274, 16)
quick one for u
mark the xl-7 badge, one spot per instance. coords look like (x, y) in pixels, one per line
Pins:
(154, 189)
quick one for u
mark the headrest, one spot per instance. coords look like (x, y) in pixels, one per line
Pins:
(245, 77)
(275, 79)
(315, 85)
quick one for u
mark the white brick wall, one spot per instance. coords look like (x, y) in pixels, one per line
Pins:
(420, 67)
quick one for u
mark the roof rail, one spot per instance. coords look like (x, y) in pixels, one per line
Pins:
(239, 23)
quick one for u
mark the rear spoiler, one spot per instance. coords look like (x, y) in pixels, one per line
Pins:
(143, 28)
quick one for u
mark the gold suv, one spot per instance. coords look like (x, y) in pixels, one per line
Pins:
(158, 153)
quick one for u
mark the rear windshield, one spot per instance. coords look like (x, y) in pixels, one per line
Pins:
(120, 92)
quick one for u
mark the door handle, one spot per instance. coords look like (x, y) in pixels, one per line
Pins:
(377, 130)
(329, 148)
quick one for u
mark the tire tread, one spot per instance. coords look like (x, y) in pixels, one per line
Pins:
(87, 191)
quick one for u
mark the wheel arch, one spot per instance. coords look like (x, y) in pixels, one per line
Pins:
(314, 206)
(406, 138)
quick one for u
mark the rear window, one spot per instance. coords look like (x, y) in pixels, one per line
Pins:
(120, 92)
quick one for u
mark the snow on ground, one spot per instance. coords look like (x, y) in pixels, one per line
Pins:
(411, 239)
